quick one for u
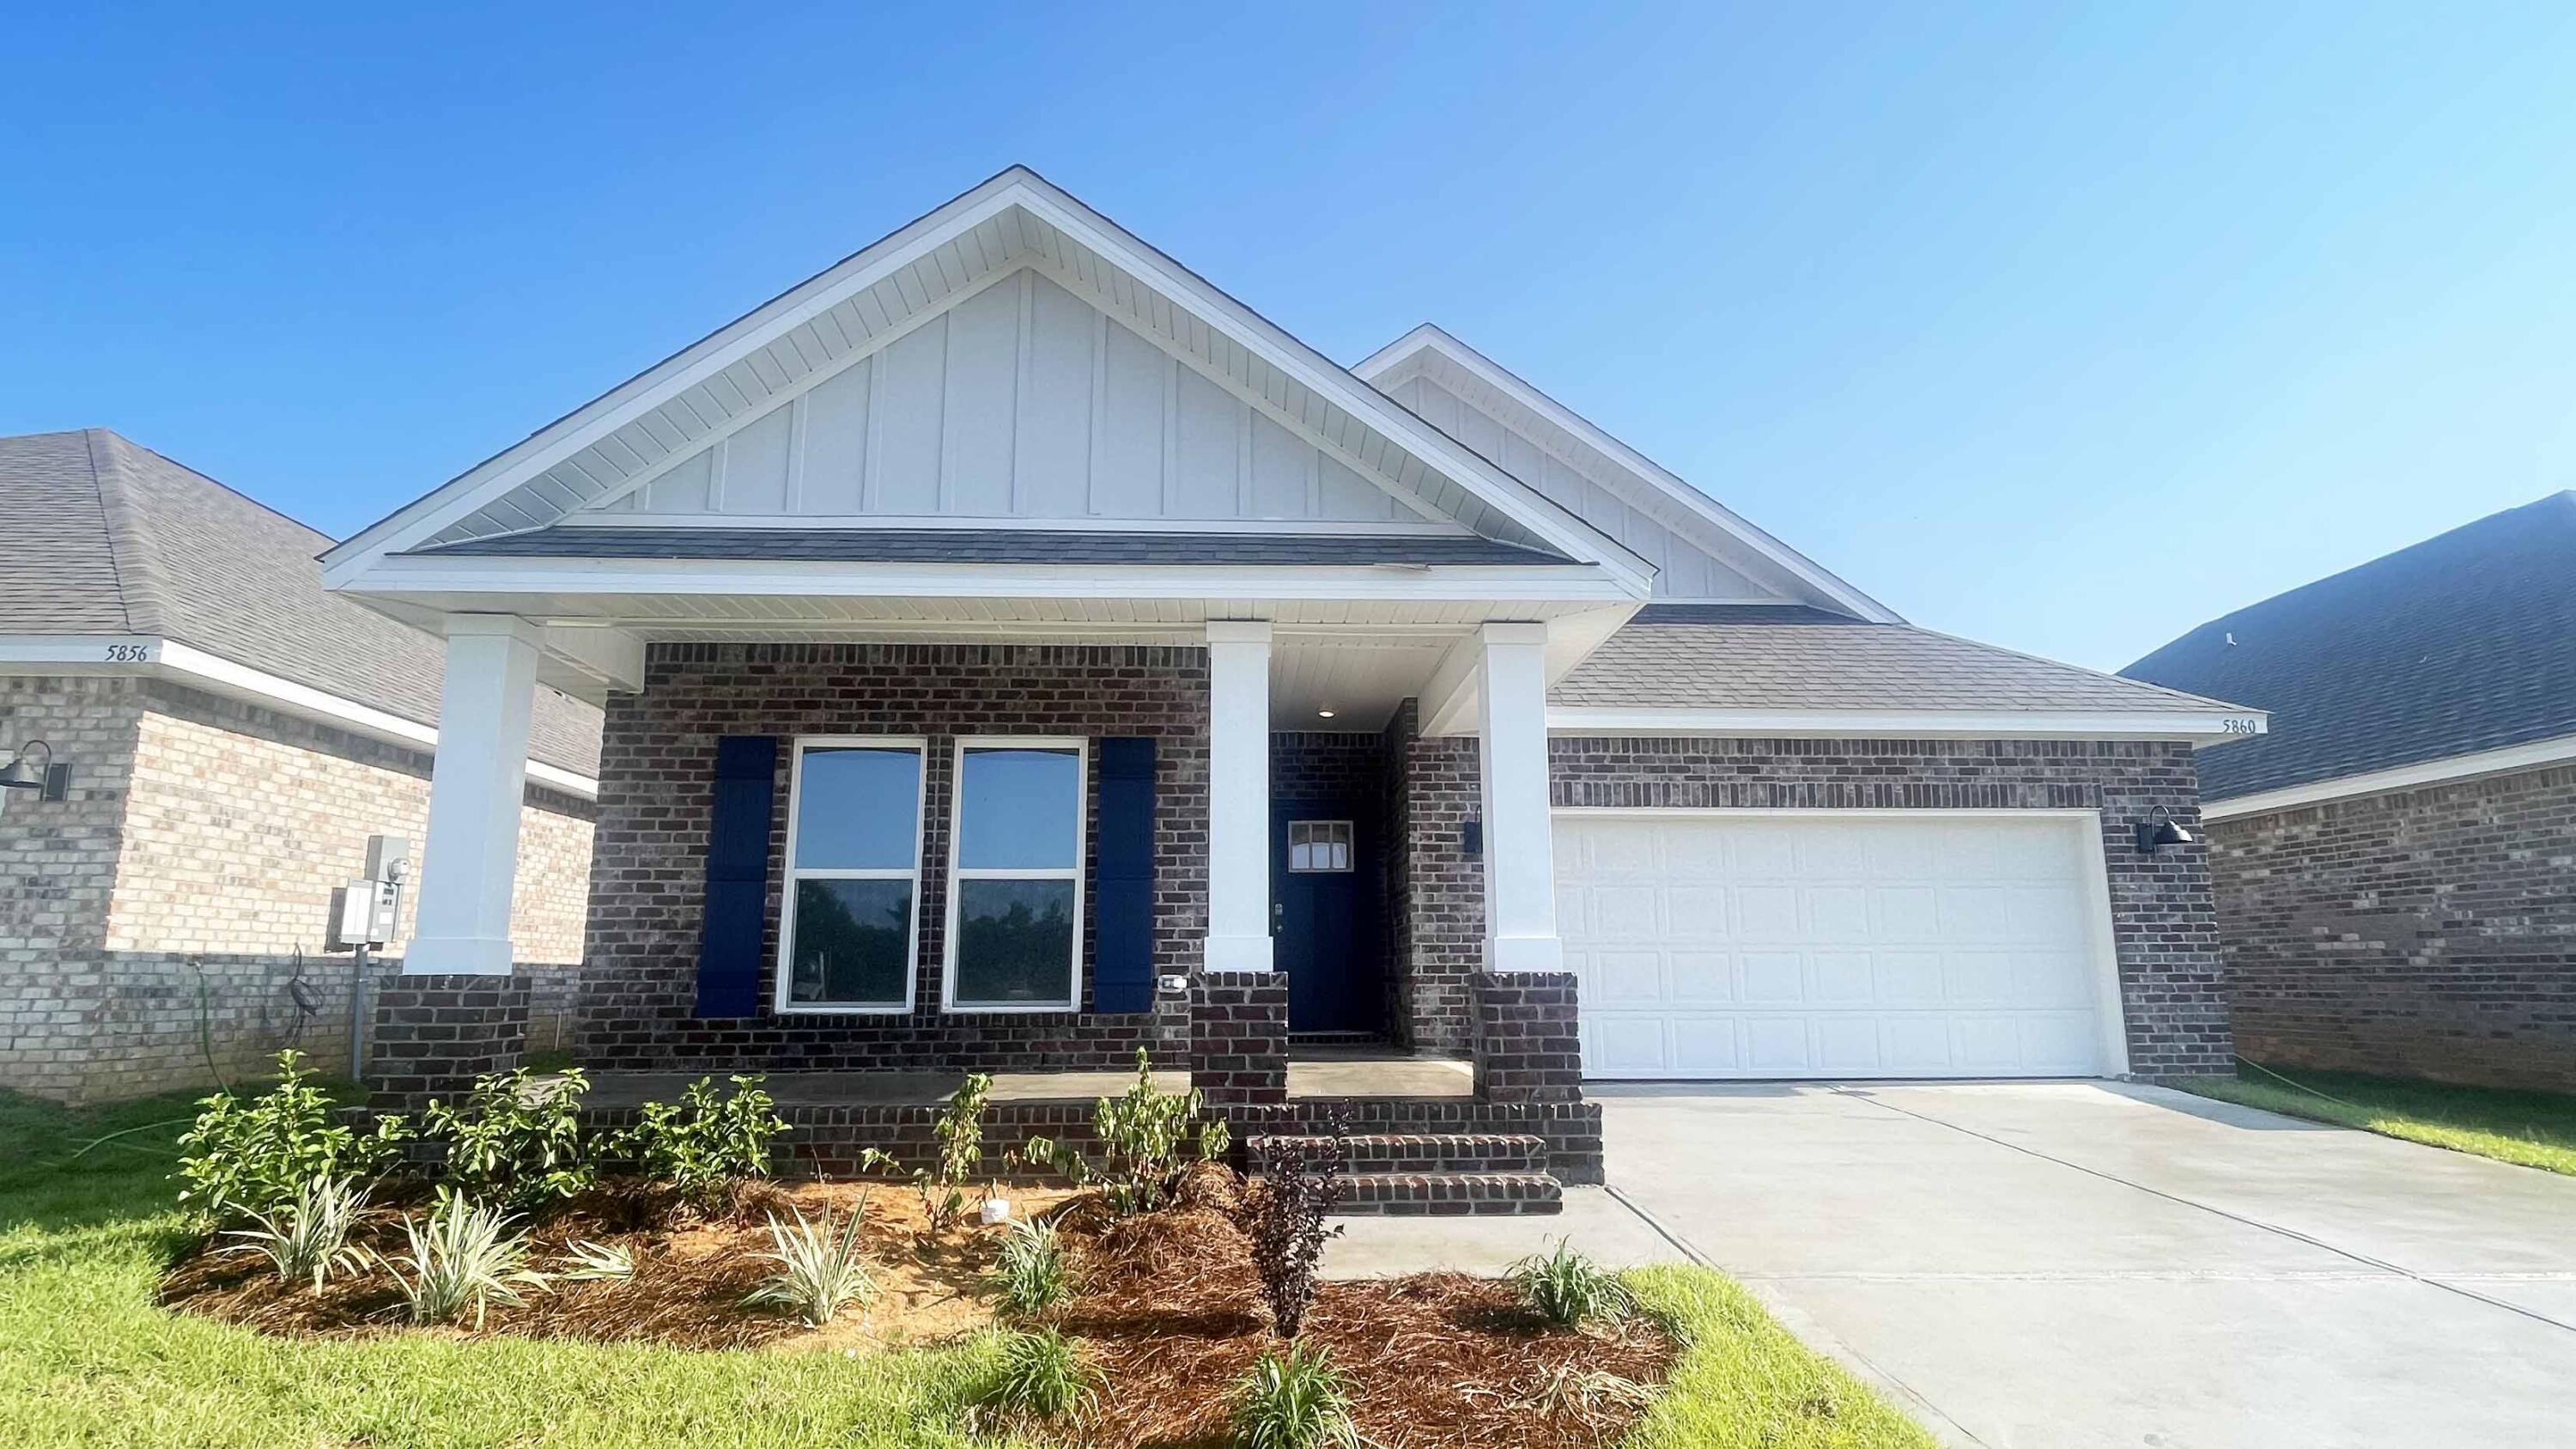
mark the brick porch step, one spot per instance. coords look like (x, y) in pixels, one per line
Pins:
(1417, 1152)
(1433, 1173)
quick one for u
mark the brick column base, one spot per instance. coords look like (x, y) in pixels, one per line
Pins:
(436, 1034)
(1525, 1040)
(1239, 1037)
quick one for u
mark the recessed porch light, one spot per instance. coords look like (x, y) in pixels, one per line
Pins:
(1323, 714)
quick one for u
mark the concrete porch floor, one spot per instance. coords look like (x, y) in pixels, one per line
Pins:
(1312, 1073)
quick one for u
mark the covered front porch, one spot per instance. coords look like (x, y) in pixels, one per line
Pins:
(1313, 1075)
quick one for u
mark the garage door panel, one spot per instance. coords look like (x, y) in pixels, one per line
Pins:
(1841, 945)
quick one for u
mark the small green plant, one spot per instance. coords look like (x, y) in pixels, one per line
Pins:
(467, 1256)
(1141, 1134)
(515, 1139)
(705, 1142)
(589, 1262)
(1031, 1272)
(960, 1131)
(1566, 1288)
(819, 1271)
(1042, 1376)
(1294, 1400)
(309, 1238)
(247, 1156)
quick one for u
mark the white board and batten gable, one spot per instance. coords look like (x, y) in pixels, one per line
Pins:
(1702, 551)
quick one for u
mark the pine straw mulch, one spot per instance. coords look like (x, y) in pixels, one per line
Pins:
(691, 1273)
(1170, 1310)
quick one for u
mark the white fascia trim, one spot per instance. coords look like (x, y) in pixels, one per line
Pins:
(467, 574)
(1525, 505)
(1431, 337)
(2528, 755)
(1909, 724)
(867, 522)
(159, 658)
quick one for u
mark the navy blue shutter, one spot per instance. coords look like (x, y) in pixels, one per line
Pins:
(737, 876)
(1122, 973)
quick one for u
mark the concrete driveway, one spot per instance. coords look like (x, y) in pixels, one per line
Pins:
(2097, 1264)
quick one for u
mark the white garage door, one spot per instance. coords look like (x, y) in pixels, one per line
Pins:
(1838, 944)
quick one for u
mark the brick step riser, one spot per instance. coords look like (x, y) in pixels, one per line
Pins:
(1436, 1153)
(1450, 1195)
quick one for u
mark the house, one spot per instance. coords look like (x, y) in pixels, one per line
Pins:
(210, 739)
(2396, 862)
(1017, 651)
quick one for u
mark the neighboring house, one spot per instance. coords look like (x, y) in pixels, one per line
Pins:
(228, 735)
(2396, 861)
(1017, 651)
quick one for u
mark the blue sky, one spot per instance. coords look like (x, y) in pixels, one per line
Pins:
(2062, 327)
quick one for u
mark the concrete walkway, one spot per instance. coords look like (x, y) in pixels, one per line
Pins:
(2092, 1264)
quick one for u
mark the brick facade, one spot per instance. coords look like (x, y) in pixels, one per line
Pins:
(656, 773)
(1435, 889)
(2164, 923)
(1239, 1037)
(1528, 1043)
(2427, 933)
(167, 898)
(435, 1034)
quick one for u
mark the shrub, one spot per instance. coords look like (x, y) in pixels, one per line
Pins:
(1284, 1217)
(309, 1238)
(1294, 1400)
(819, 1271)
(515, 1140)
(1042, 1375)
(1031, 1272)
(706, 1142)
(250, 1156)
(1565, 1288)
(1140, 1135)
(590, 1262)
(468, 1257)
(960, 1131)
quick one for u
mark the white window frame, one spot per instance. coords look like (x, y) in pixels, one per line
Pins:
(1080, 748)
(919, 748)
(1347, 837)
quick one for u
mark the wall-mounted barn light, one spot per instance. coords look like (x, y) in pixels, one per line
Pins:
(23, 774)
(2160, 828)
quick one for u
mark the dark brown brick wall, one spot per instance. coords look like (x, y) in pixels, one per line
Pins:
(1435, 889)
(657, 767)
(2163, 918)
(435, 1034)
(1527, 1038)
(2428, 933)
(1239, 1036)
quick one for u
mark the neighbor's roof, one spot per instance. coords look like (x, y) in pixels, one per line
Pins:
(1768, 657)
(105, 537)
(2461, 643)
(995, 546)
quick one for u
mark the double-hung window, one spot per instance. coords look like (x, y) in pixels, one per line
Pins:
(846, 937)
(1015, 881)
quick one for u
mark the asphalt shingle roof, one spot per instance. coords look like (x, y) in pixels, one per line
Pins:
(994, 546)
(104, 537)
(1682, 656)
(2464, 642)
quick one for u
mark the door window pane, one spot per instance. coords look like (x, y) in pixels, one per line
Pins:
(853, 942)
(858, 809)
(1319, 846)
(1019, 810)
(1014, 942)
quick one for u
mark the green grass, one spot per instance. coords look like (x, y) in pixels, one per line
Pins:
(1744, 1382)
(2529, 1129)
(86, 1358)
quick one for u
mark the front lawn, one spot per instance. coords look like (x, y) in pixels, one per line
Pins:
(88, 1358)
(2530, 1129)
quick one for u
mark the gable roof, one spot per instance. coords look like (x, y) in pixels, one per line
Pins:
(1002, 546)
(1431, 352)
(861, 305)
(1763, 658)
(2464, 642)
(109, 538)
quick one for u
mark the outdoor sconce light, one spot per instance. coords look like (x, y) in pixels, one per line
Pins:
(34, 769)
(2160, 828)
(1471, 839)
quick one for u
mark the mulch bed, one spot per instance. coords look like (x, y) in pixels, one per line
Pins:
(1170, 1311)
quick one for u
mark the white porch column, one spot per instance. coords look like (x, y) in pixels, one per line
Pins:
(461, 921)
(1520, 850)
(1238, 796)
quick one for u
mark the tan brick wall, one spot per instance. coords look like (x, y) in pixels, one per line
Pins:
(157, 915)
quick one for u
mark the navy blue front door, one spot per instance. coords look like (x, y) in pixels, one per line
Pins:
(1324, 886)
